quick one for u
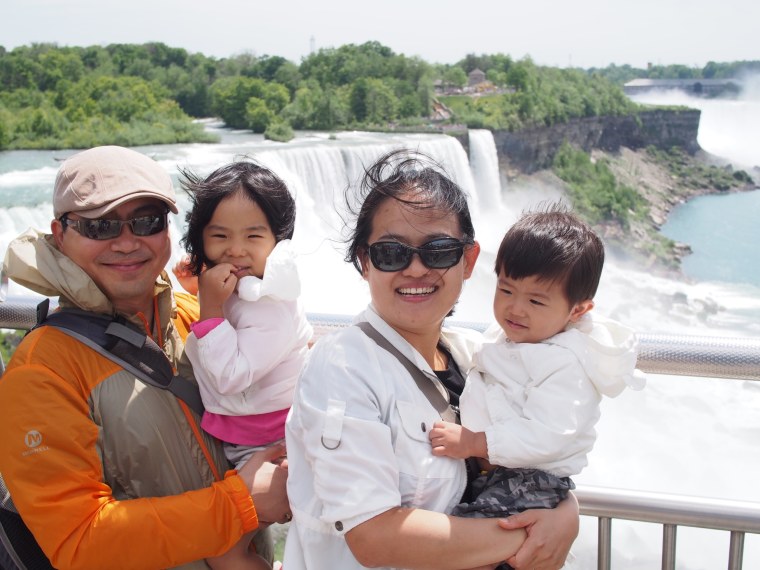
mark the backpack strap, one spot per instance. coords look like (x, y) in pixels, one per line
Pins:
(121, 342)
(425, 384)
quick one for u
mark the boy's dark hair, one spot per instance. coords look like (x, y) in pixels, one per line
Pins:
(255, 181)
(393, 176)
(554, 245)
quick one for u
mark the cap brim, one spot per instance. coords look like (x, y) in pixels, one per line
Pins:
(100, 211)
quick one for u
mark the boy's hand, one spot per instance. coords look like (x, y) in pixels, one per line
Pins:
(452, 440)
(215, 285)
(185, 278)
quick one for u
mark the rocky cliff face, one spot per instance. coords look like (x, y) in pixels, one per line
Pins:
(533, 149)
(525, 159)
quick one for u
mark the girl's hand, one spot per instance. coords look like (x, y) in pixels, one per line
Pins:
(215, 285)
(551, 533)
(185, 278)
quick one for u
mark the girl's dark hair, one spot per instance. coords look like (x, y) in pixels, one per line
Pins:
(554, 245)
(255, 181)
(393, 176)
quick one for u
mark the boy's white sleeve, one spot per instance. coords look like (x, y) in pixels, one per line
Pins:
(553, 427)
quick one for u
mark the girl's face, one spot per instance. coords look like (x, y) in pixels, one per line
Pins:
(239, 233)
(415, 300)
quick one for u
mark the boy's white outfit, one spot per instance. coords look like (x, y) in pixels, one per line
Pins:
(537, 403)
(247, 366)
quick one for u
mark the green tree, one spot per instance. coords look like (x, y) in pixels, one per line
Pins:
(5, 134)
(276, 96)
(258, 116)
(455, 76)
(229, 97)
(279, 131)
(594, 191)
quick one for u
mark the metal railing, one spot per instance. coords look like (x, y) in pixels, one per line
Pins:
(713, 357)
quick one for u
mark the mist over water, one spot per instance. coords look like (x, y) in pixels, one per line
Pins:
(722, 229)
(680, 435)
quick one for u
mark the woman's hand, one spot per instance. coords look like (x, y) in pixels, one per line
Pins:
(551, 533)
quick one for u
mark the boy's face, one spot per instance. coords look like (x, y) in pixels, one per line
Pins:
(532, 310)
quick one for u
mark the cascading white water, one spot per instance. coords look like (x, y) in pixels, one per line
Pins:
(484, 161)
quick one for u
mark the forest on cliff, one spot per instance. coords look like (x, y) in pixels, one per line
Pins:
(130, 94)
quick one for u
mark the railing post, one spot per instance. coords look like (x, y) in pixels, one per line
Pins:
(604, 544)
(669, 546)
(736, 550)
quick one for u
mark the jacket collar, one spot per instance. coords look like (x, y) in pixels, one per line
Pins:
(35, 262)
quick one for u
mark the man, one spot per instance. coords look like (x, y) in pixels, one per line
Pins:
(106, 471)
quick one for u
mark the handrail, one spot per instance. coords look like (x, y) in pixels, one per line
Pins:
(716, 357)
(685, 355)
(664, 508)
(670, 511)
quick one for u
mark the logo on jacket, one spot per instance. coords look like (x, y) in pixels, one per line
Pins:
(33, 440)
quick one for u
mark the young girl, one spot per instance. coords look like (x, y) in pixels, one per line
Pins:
(248, 347)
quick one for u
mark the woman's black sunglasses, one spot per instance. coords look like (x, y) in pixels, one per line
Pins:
(439, 253)
(104, 228)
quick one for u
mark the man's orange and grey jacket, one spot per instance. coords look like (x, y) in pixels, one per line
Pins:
(106, 471)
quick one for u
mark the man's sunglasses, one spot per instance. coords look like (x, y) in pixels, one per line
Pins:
(439, 253)
(103, 228)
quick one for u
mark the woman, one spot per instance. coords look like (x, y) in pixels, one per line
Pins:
(364, 486)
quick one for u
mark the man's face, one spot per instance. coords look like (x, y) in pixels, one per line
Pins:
(125, 268)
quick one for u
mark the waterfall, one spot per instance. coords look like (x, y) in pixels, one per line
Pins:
(319, 169)
(484, 162)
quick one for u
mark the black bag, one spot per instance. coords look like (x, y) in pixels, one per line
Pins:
(18, 548)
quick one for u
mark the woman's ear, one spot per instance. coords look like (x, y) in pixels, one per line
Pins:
(580, 309)
(471, 254)
(363, 256)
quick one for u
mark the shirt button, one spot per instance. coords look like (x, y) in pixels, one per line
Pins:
(424, 428)
(339, 526)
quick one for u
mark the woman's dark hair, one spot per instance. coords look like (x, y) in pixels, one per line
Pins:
(255, 181)
(554, 245)
(412, 178)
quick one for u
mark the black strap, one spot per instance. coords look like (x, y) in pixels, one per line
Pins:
(124, 344)
(425, 384)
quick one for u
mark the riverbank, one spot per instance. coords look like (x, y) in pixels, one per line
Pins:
(664, 180)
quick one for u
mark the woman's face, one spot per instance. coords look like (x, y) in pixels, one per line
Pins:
(415, 300)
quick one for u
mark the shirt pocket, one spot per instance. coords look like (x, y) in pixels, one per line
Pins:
(412, 443)
(424, 480)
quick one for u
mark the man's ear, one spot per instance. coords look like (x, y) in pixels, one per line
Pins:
(471, 254)
(56, 228)
(580, 309)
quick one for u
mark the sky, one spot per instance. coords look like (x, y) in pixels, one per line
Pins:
(578, 33)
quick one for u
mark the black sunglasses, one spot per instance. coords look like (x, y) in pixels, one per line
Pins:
(439, 253)
(103, 228)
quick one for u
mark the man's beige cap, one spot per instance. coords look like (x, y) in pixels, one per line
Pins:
(95, 181)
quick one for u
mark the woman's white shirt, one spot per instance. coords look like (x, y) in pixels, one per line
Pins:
(357, 439)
